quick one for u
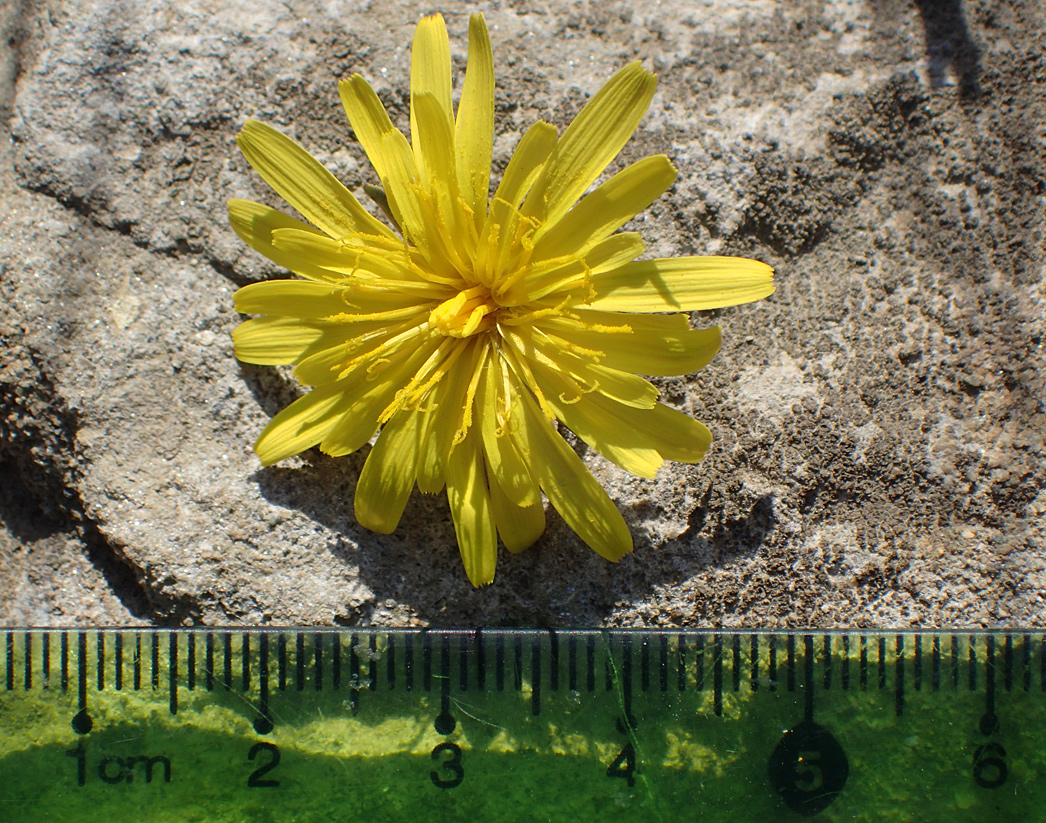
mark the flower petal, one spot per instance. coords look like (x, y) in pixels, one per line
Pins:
(429, 73)
(518, 526)
(289, 298)
(571, 488)
(342, 261)
(302, 181)
(682, 284)
(400, 179)
(434, 141)
(525, 164)
(470, 507)
(656, 345)
(255, 223)
(274, 341)
(552, 278)
(675, 436)
(388, 475)
(315, 301)
(498, 237)
(367, 116)
(584, 416)
(326, 361)
(301, 425)
(474, 129)
(622, 386)
(591, 141)
(447, 231)
(606, 209)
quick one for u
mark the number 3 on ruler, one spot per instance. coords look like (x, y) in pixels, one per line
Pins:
(453, 766)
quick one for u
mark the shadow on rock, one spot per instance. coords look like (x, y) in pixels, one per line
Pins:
(557, 582)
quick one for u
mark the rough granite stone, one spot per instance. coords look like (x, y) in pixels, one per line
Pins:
(879, 422)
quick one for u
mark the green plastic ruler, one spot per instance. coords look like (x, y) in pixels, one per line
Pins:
(425, 725)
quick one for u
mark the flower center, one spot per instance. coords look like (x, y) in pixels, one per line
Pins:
(466, 313)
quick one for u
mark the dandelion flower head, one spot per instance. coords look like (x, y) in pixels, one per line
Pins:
(468, 326)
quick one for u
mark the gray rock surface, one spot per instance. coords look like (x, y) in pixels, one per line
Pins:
(879, 422)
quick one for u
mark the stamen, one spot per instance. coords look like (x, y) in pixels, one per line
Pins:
(517, 317)
(466, 313)
(375, 369)
(384, 316)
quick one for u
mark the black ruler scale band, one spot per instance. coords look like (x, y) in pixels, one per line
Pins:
(648, 707)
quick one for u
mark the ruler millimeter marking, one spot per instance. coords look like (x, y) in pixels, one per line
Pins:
(650, 721)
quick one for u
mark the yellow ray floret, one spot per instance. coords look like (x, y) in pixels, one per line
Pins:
(464, 333)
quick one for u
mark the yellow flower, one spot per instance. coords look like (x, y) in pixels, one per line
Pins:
(475, 324)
